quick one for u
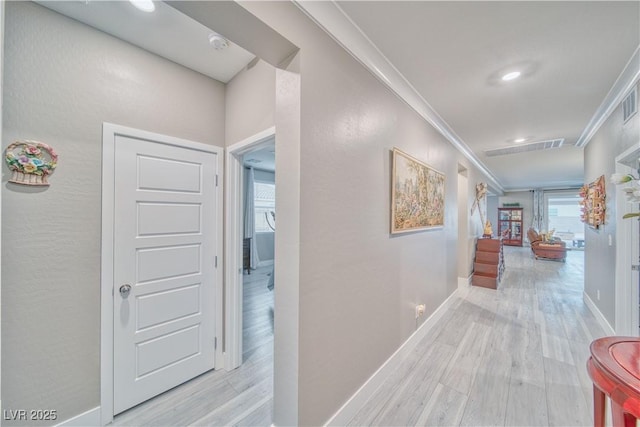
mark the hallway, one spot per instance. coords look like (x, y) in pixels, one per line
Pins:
(511, 357)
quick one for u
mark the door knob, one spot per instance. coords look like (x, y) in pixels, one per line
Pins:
(125, 290)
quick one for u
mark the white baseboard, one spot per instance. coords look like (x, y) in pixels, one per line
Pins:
(86, 419)
(598, 315)
(464, 283)
(360, 397)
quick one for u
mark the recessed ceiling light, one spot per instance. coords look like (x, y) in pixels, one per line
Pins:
(144, 5)
(511, 76)
(519, 140)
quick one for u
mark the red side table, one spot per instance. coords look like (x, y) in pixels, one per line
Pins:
(614, 368)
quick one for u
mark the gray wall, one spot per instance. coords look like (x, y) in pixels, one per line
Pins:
(492, 212)
(62, 80)
(250, 102)
(358, 285)
(612, 139)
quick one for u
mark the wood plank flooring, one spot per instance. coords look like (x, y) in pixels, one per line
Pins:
(242, 397)
(514, 356)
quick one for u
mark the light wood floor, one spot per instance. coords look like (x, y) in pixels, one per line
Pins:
(242, 397)
(511, 357)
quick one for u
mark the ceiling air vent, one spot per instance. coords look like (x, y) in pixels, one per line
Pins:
(534, 146)
(630, 105)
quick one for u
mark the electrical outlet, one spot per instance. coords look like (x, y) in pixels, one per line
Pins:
(598, 294)
(420, 308)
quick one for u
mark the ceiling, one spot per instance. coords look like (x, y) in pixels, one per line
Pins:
(263, 159)
(455, 53)
(451, 55)
(165, 32)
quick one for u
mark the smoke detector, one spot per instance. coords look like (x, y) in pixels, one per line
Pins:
(218, 42)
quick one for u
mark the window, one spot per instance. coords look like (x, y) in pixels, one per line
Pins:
(265, 203)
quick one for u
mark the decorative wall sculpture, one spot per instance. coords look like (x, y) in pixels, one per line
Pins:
(31, 162)
(593, 203)
(417, 195)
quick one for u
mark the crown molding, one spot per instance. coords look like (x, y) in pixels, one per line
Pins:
(334, 21)
(623, 84)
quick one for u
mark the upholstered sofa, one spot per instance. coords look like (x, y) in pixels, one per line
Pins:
(553, 250)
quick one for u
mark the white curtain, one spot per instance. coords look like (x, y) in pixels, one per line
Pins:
(538, 220)
(249, 217)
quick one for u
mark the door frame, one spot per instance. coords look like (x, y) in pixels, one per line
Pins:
(234, 208)
(109, 132)
(626, 301)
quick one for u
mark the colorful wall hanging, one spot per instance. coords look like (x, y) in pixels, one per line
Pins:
(481, 194)
(417, 195)
(31, 162)
(593, 203)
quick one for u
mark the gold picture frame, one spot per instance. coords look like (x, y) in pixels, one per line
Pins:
(417, 195)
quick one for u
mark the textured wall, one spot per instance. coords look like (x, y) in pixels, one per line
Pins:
(612, 139)
(62, 80)
(358, 285)
(250, 102)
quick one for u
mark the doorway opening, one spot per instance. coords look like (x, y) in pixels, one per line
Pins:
(464, 245)
(258, 256)
(248, 238)
(563, 216)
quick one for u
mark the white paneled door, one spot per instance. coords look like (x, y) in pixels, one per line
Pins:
(164, 267)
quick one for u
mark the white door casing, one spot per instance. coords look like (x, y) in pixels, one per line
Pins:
(165, 233)
(233, 242)
(627, 252)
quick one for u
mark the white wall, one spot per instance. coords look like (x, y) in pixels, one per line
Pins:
(612, 138)
(62, 80)
(2, 29)
(250, 102)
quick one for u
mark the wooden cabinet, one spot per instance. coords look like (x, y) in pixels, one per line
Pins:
(510, 226)
(489, 263)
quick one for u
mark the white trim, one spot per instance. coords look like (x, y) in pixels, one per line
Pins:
(334, 21)
(346, 413)
(2, 14)
(89, 418)
(602, 321)
(233, 243)
(109, 131)
(464, 284)
(623, 84)
(626, 320)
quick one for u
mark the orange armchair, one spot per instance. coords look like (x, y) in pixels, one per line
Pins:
(554, 250)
